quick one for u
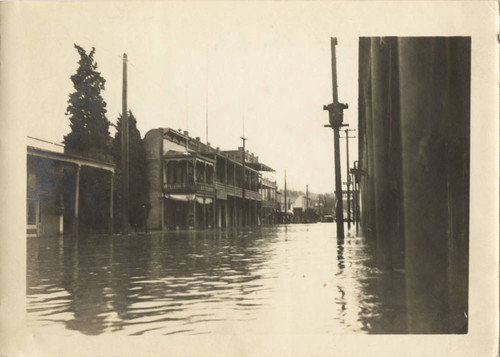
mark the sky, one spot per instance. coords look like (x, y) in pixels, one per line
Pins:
(267, 64)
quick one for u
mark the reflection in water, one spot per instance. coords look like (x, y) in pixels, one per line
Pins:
(284, 279)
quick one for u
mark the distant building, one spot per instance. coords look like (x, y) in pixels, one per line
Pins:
(53, 189)
(196, 186)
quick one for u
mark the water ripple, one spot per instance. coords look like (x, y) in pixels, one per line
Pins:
(269, 280)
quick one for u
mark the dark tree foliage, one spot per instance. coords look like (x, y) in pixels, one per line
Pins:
(311, 215)
(89, 137)
(327, 202)
(138, 180)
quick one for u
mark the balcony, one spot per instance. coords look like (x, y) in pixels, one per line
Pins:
(224, 190)
(270, 204)
(268, 183)
(252, 195)
(228, 189)
(188, 187)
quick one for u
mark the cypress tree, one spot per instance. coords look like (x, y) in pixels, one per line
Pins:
(89, 137)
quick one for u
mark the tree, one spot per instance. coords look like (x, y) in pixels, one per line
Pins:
(138, 179)
(89, 135)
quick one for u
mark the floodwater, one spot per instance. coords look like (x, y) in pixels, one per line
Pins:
(271, 280)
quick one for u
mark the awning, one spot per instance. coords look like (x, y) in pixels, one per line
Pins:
(183, 198)
(207, 200)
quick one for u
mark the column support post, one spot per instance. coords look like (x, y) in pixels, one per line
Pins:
(76, 218)
(111, 216)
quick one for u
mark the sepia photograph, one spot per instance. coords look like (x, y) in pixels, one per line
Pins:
(251, 178)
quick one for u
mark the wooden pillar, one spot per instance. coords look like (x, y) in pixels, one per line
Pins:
(249, 212)
(367, 160)
(194, 170)
(225, 212)
(204, 210)
(111, 218)
(256, 220)
(225, 172)
(76, 218)
(215, 214)
(261, 222)
(381, 131)
(61, 216)
(241, 215)
(195, 218)
(425, 202)
(234, 221)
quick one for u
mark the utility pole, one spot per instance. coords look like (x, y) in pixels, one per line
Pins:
(336, 118)
(307, 202)
(307, 197)
(206, 105)
(348, 182)
(286, 206)
(125, 151)
(243, 178)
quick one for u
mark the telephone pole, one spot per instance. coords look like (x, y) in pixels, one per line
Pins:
(336, 118)
(286, 206)
(306, 212)
(348, 182)
(125, 151)
(307, 197)
(243, 176)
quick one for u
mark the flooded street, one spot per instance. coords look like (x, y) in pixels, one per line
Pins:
(271, 280)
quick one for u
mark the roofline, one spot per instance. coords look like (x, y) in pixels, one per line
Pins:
(70, 158)
(219, 153)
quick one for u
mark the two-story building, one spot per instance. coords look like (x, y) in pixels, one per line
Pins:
(196, 186)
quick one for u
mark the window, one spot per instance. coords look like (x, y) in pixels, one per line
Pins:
(31, 212)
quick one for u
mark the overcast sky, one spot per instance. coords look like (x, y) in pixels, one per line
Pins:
(266, 62)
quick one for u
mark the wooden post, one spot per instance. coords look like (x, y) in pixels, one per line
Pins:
(111, 217)
(125, 151)
(204, 212)
(348, 179)
(243, 176)
(76, 223)
(338, 186)
(225, 212)
(256, 221)
(235, 221)
(286, 206)
(215, 214)
(194, 170)
(335, 111)
(225, 172)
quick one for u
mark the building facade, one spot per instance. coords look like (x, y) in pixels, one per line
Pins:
(414, 150)
(196, 186)
(53, 199)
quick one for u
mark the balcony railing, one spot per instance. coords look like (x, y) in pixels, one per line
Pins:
(268, 183)
(191, 187)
